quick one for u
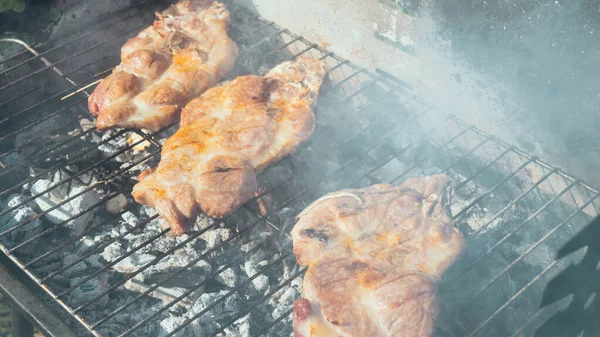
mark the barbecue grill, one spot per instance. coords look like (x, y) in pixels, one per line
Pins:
(85, 259)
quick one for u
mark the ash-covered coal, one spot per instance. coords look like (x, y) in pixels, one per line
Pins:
(79, 195)
(24, 218)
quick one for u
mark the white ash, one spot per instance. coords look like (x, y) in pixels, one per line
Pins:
(206, 323)
(240, 328)
(170, 323)
(261, 283)
(216, 236)
(89, 241)
(140, 143)
(167, 295)
(132, 262)
(70, 208)
(87, 124)
(285, 301)
(114, 145)
(174, 262)
(113, 251)
(227, 277)
(130, 219)
(116, 204)
(478, 216)
(17, 217)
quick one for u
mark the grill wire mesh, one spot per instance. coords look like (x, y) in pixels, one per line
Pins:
(68, 220)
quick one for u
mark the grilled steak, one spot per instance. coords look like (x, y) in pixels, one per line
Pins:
(227, 136)
(183, 53)
(374, 256)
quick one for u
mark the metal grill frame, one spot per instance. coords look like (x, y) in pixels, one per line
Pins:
(580, 195)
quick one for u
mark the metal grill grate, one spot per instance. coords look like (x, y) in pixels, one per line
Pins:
(58, 174)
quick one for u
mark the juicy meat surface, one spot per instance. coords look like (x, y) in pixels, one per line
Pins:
(184, 52)
(374, 256)
(227, 136)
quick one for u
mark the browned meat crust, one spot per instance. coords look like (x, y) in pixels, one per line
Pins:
(227, 136)
(183, 53)
(374, 257)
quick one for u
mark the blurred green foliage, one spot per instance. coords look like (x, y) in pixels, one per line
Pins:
(15, 5)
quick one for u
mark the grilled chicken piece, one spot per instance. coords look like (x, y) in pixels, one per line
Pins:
(374, 256)
(184, 52)
(227, 136)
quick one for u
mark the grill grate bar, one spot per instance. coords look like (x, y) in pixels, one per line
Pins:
(538, 276)
(304, 51)
(481, 197)
(512, 232)
(363, 88)
(243, 284)
(339, 65)
(21, 53)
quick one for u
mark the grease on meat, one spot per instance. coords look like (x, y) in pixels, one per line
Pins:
(227, 136)
(374, 257)
(184, 52)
